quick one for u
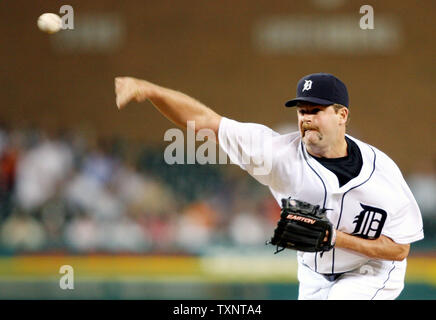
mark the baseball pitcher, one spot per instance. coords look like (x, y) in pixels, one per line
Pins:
(346, 207)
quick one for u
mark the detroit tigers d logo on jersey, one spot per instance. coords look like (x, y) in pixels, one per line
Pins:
(369, 222)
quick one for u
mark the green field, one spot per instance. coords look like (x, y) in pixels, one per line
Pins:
(175, 277)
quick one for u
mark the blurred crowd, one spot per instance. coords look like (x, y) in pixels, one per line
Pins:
(70, 192)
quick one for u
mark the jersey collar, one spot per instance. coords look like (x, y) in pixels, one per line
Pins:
(330, 179)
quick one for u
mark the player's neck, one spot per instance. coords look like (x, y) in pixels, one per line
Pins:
(337, 150)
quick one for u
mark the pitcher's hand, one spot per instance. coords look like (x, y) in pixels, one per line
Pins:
(128, 89)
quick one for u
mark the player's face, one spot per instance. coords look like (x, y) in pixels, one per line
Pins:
(319, 125)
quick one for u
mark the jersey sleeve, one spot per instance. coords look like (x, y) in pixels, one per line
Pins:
(250, 146)
(405, 226)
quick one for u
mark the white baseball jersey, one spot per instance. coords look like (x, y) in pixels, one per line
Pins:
(376, 202)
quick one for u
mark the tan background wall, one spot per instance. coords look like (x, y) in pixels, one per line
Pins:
(206, 49)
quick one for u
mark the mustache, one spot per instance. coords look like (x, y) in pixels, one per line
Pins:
(306, 126)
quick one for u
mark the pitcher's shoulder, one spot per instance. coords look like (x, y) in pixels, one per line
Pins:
(382, 160)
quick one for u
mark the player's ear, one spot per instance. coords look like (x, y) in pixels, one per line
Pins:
(343, 115)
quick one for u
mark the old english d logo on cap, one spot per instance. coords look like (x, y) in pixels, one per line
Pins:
(322, 89)
(307, 85)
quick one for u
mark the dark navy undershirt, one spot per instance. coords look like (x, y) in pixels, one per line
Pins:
(345, 168)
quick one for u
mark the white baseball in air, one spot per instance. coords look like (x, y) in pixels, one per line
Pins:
(49, 23)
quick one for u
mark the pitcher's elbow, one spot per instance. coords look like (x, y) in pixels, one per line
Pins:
(403, 253)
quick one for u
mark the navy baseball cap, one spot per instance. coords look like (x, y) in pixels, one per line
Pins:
(322, 89)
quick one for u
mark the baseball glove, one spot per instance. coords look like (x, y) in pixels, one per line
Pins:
(304, 227)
